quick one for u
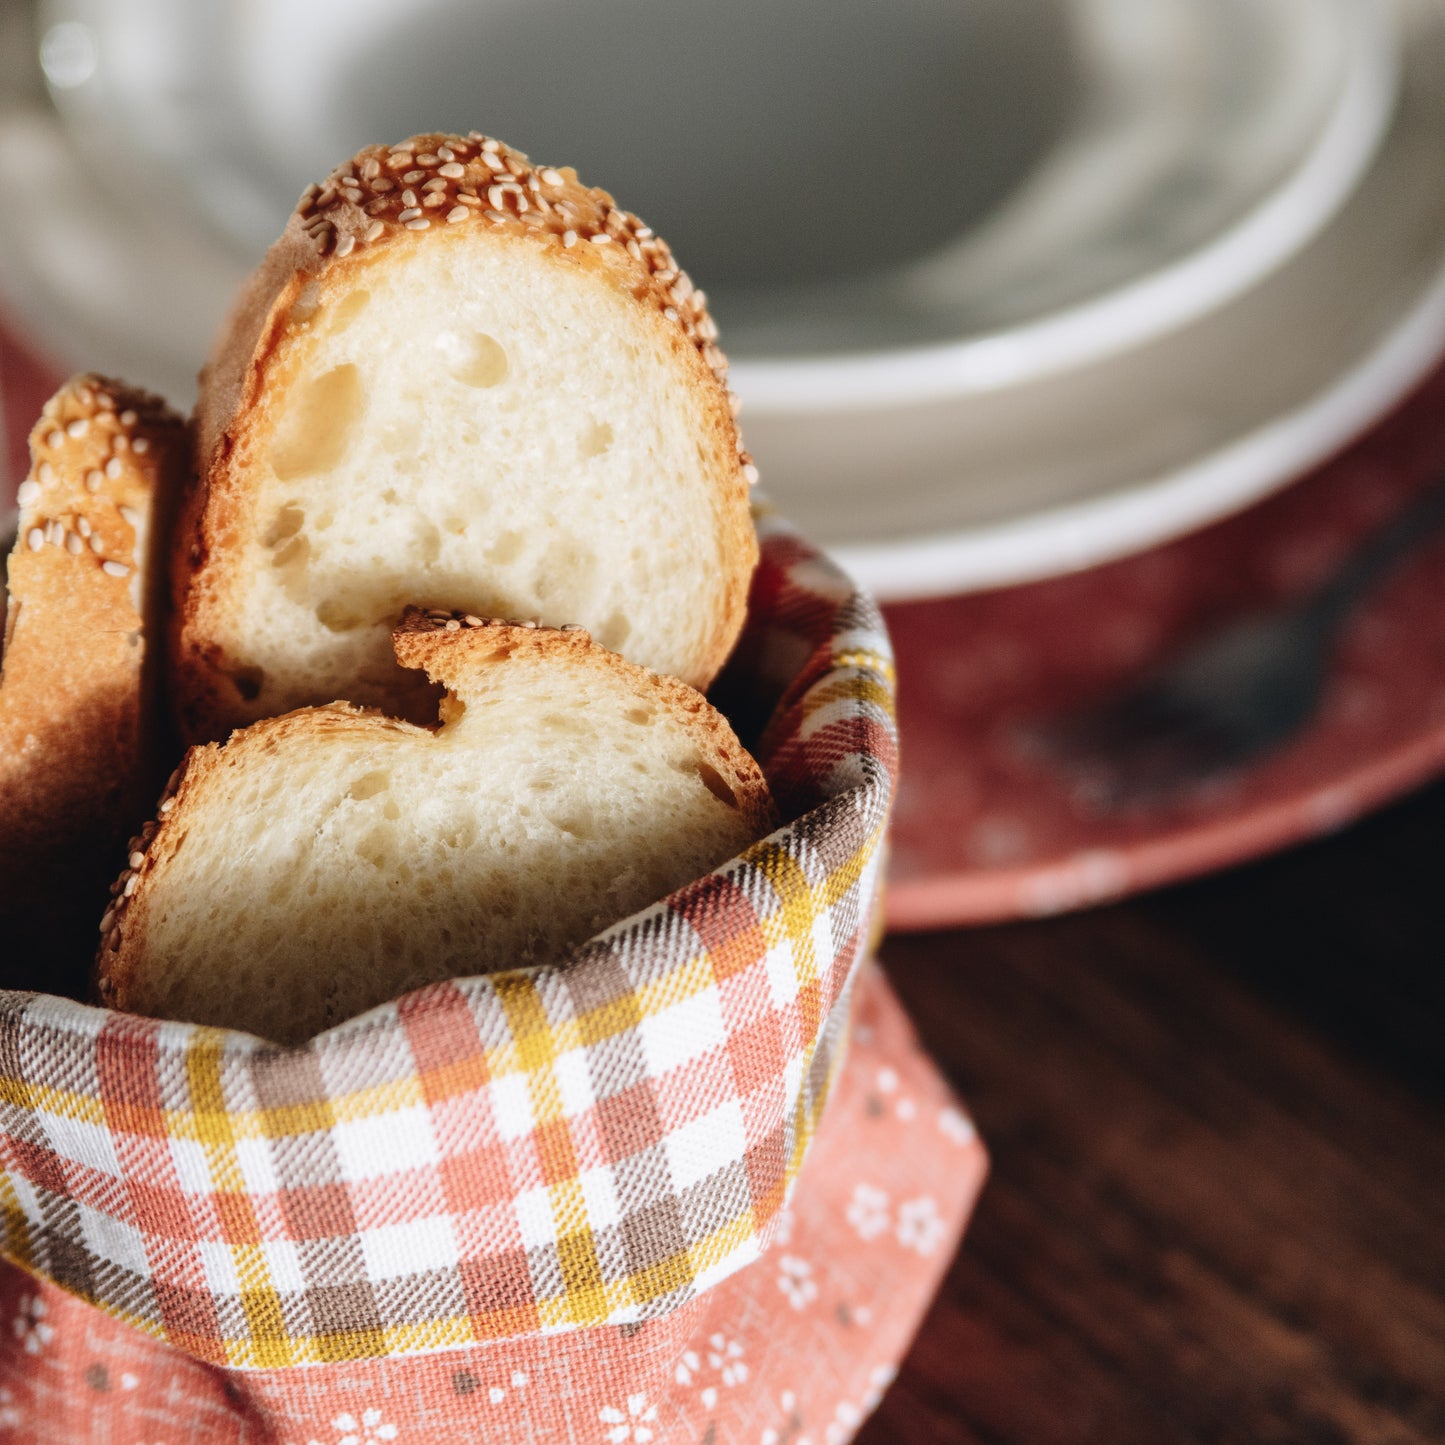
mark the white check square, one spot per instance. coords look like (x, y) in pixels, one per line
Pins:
(396, 1250)
(699, 1149)
(683, 1032)
(389, 1143)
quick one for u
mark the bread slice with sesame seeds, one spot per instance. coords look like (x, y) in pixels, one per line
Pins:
(326, 861)
(460, 380)
(78, 667)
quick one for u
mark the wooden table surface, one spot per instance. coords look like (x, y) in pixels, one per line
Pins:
(1217, 1207)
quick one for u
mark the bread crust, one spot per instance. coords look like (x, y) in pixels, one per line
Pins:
(457, 650)
(78, 677)
(366, 213)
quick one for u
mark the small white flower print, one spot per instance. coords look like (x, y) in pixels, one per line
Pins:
(687, 1367)
(128, 1381)
(920, 1227)
(868, 1211)
(369, 1430)
(956, 1126)
(906, 1110)
(783, 1230)
(9, 1414)
(796, 1281)
(887, 1081)
(726, 1357)
(32, 1329)
(636, 1425)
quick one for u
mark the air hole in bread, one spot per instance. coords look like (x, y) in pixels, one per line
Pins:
(400, 437)
(376, 845)
(642, 716)
(506, 548)
(614, 632)
(370, 784)
(457, 526)
(577, 822)
(285, 524)
(716, 784)
(248, 681)
(596, 440)
(348, 309)
(336, 615)
(319, 424)
(473, 358)
(291, 561)
(428, 542)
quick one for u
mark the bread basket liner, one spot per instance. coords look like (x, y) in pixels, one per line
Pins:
(589, 1147)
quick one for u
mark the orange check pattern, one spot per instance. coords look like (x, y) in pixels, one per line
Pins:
(528, 1153)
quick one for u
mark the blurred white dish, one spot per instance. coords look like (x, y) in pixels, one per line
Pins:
(1077, 469)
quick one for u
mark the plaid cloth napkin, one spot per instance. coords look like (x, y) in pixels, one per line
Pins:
(545, 1203)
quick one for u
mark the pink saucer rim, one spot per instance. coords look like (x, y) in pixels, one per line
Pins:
(1177, 852)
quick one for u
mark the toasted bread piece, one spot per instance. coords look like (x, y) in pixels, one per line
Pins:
(457, 380)
(77, 685)
(323, 862)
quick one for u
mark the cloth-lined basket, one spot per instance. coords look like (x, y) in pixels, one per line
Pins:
(505, 1205)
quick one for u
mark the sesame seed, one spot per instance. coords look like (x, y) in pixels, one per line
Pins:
(569, 238)
(107, 919)
(28, 492)
(328, 194)
(553, 178)
(131, 884)
(420, 224)
(54, 532)
(452, 625)
(82, 525)
(352, 196)
(435, 184)
(437, 198)
(452, 171)
(113, 568)
(78, 427)
(426, 159)
(73, 544)
(345, 246)
(141, 444)
(751, 473)
(121, 443)
(374, 230)
(93, 480)
(473, 621)
(397, 160)
(572, 627)
(35, 538)
(383, 185)
(97, 544)
(165, 805)
(410, 214)
(128, 418)
(136, 859)
(495, 198)
(491, 162)
(113, 468)
(600, 239)
(128, 514)
(46, 473)
(371, 169)
(528, 622)
(408, 198)
(446, 153)
(489, 145)
(457, 213)
(497, 216)
(412, 177)
(55, 439)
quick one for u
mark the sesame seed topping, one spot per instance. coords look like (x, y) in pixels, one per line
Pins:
(751, 473)
(497, 216)
(472, 620)
(131, 884)
(97, 544)
(55, 439)
(421, 224)
(115, 569)
(457, 213)
(452, 625)
(412, 177)
(352, 195)
(552, 178)
(489, 145)
(121, 443)
(446, 153)
(374, 230)
(399, 159)
(452, 171)
(436, 184)
(136, 859)
(73, 544)
(600, 239)
(35, 538)
(46, 473)
(569, 238)
(54, 532)
(371, 169)
(93, 479)
(427, 159)
(384, 185)
(28, 492)
(437, 198)
(141, 444)
(128, 417)
(128, 514)
(408, 198)
(410, 214)
(107, 919)
(345, 246)
(82, 525)
(113, 468)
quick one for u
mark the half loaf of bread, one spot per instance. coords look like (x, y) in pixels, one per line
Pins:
(323, 862)
(77, 685)
(457, 380)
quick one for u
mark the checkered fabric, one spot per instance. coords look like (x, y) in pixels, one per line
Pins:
(526, 1153)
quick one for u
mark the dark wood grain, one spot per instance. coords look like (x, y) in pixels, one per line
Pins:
(1217, 1211)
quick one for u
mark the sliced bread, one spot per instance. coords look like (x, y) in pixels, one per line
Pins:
(323, 862)
(457, 380)
(77, 673)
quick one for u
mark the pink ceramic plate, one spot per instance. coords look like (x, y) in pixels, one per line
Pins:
(983, 832)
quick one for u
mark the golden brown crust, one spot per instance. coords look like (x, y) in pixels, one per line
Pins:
(76, 689)
(444, 187)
